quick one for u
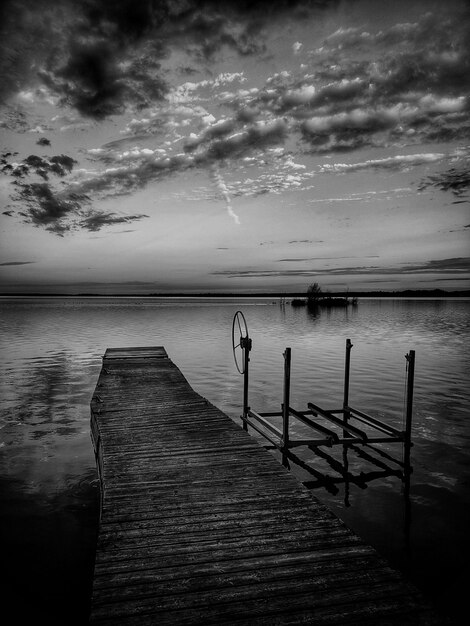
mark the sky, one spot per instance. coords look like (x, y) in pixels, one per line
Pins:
(251, 146)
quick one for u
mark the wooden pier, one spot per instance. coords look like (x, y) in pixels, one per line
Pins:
(201, 525)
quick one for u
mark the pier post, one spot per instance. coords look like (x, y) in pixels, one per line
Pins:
(347, 363)
(285, 407)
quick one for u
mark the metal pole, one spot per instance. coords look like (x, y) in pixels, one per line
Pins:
(347, 363)
(407, 470)
(410, 358)
(285, 407)
(246, 345)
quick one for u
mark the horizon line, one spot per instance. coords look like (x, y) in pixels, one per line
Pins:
(226, 294)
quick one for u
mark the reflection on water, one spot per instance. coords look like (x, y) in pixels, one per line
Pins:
(47, 552)
(51, 356)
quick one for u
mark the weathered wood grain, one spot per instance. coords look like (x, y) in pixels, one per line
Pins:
(201, 525)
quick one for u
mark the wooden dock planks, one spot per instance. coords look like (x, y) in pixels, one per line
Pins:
(201, 525)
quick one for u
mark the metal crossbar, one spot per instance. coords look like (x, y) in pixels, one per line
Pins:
(343, 423)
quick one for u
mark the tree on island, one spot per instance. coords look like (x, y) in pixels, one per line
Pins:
(314, 292)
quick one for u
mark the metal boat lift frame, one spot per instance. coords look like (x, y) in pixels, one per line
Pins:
(342, 418)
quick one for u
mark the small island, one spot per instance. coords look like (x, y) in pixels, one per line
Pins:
(316, 298)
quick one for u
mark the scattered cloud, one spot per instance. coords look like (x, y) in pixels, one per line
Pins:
(368, 103)
(65, 210)
(59, 165)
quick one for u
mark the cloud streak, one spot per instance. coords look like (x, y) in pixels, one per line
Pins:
(439, 266)
(223, 190)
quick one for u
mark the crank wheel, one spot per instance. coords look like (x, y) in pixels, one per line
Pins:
(240, 340)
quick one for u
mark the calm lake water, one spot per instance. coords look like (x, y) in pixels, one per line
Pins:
(51, 351)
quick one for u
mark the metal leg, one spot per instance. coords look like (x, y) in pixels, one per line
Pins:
(346, 414)
(285, 407)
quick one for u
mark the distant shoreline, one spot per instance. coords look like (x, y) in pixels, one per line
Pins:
(408, 293)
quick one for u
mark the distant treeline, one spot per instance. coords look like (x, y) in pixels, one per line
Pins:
(407, 293)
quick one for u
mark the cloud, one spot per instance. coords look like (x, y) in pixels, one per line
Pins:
(347, 102)
(323, 258)
(90, 55)
(411, 56)
(455, 180)
(218, 129)
(101, 57)
(60, 165)
(355, 120)
(186, 93)
(68, 209)
(135, 171)
(60, 212)
(95, 221)
(305, 241)
(258, 136)
(107, 56)
(300, 95)
(275, 181)
(47, 208)
(16, 263)
(394, 87)
(96, 81)
(306, 97)
(398, 161)
(366, 196)
(455, 264)
(440, 266)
